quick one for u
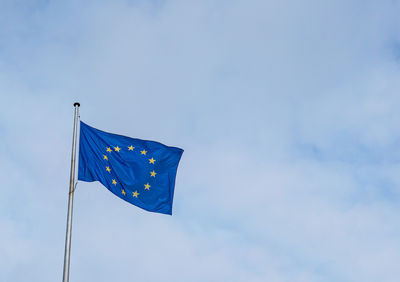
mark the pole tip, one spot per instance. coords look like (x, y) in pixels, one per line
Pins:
(76, 104)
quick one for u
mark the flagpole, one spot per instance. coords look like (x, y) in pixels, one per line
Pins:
(70, 199)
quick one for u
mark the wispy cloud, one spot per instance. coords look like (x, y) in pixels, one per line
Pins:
(288, 114)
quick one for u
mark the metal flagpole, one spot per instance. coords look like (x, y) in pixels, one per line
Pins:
(70, 200)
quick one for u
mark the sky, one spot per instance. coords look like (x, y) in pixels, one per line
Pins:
(288, 112)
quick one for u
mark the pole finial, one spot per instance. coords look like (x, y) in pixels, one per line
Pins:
(76, 104)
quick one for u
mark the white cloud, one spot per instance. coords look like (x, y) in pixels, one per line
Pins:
(287, 113)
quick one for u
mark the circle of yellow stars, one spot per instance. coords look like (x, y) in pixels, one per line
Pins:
(143, 152)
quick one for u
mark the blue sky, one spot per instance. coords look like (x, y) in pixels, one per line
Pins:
(287, 111)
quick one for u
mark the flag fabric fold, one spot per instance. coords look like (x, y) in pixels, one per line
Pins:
(138, 171)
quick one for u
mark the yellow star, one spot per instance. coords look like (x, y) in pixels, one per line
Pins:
(147, 186)
(153, 173)
(123, 192)
(105, 157)
(152, 161)
(108, 168)
(130, 148)
(117, 149)
(135, 194)
(114, 182)
(109, 149)
(143, 152)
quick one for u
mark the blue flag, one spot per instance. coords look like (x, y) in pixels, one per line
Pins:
(138, 171)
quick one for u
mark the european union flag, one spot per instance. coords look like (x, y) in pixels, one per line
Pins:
(138, 171)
